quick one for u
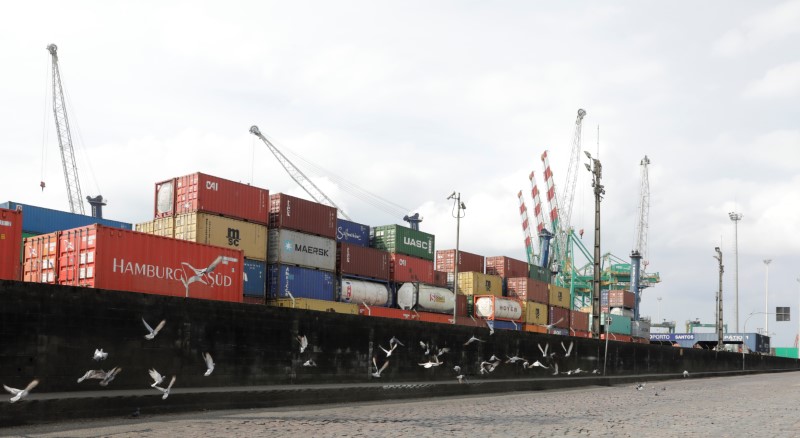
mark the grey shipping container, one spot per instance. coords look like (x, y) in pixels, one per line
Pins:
(402, 240)
(289, 247)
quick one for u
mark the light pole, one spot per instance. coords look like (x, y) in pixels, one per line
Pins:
(597, 173)
(736, 217)
(658, 317)
(458, 208)
(607, 332)
(744, 333)
(719, 300)
(766, 297)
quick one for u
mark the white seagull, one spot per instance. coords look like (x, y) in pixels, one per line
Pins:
(457, 369)
(461, 378)
(309, 363)
(153, 332)
(685, 373)
(443, 351)
(549, 326)
(430, 364)
(488, 367)
(388, 352)
(473, 339)
(156, 376)
(92, 374)
(19, 394)
(544, 351)
(539, 364)
(378, 371)
(110, 376)
(209, 364)
(426, 347)
(99, 354)
(515, 359)
(394, 341)
(166, 390)
(303, 342)
(567, 350)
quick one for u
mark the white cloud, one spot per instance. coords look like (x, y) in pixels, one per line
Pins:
(769, 26)
(782, 81)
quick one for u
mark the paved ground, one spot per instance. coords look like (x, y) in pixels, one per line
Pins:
(752, 405)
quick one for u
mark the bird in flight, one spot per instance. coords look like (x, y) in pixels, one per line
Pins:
(426, 347)
(443, 351)
(156, 376)
(539, 364)
(555, 373)
(99, 354)
(388, 352)
(457, 369)
(473, 339)
(166, 390)
(378, 371)
(309, 363)
(685, 373)
(200, 275)
(110, 376)
(549, 326)
(567, 351)
(515, 359)
(19, 394)
(394, 342)
(489, 366)
(153, 332)
(209, 364)
(543, 350)
(303, 342)
(461, 378)
(430, 364)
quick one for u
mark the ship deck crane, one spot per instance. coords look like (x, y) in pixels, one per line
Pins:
(639, 259)
(297, 175)
(526, 229)
(65, 145)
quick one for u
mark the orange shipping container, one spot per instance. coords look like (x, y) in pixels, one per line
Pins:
(10, 242)
(533, 328)
(581, 334)
(40, 258)
(387, 312)
(211, 194)
(440, 318)
(110, 258)
(616, 337)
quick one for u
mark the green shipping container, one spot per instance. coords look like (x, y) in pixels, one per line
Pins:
(402, 240)
(620, 325)
(538, 273)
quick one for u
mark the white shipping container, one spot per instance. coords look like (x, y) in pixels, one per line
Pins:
(425, 297)
(621, 311)
(289, 247)
(364, 292)
(492, 307)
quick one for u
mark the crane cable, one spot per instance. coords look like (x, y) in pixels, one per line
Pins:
(44, 126)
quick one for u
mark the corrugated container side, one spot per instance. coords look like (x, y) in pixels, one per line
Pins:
(10, 243)
(289, 247)
(539, 273)
(315, 305)
(199, 192)
(439, 318)
(507, 325)
(533, 328)
(619, 324)
(404, 268)
(617, 337)
(528, 289)
(582, 334)
(162, 226)
(622, 311)
(467, 262)
(352, 233)
(476, 283)
(535, 313)
(506, 267)
(222, 231)
(255, 278)
(40, 259)
(253, 300)
(110, 258)
(298, 214)
(559, 296)
(494, 307)
(621, 298)
(579, 320)
(352, 259)
(387, 312)
(39, 220)
(559, 316)
(440, 278)
(402, 240)
(285, 281)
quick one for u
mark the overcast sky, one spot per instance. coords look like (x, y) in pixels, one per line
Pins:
(415, 100)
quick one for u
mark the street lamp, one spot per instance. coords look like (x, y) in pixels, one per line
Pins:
(736, 217)
(596, 170)
(719, 300)
(766, 297)
(607, 332)
(658, 317)
(458, 208)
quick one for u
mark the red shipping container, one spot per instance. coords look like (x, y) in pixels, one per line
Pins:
(211, 194)
(362, 261)
(581, 334)
(405, 268)
(467, 262)
(558, 316)
(300, 215)
(441, 318)
(40, 259)
(621, 298)
(579, 320)
(528, 289)
(387, 312)
(471, 321)
(10, 243)
(253, 300)
(440, 278)
(111, 258)
(506, 267)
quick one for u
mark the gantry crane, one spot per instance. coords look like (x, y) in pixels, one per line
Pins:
(639, 259)
(297, 175)
(526, 229)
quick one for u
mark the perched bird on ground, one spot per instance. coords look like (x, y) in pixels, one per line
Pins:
(209, 364)
(567, 350)
(685, 373)
(19, 394)
(110, 376)
(461, 378)
(309, 363)
(156, 376)
(577, 371)
(153, 332)
(99, 354)
(473, 339)
(166, 390)
(378, 372)
(394, 341)
(639, 386)
(303, 342)
(388, 352)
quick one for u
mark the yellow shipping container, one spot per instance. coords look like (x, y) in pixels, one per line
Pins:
(534, 313)
(318, 305)
(222, 231)
(476, 283)
(559, 296)
(163, 226)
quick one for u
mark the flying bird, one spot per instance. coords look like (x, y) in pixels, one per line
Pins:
(473, 339)
(494, 358)
(388, 352)
(110, 376)
(544, 351)
(461, 378)
(426, 347)
(303, 342)
(209, 364)
(549, 326)
(99, 354)
(153, 332)
(489, 366)
(19, 394)
(92, 374)
(595, 371)
(457, 369)
(567, 350)
(515, 359)
(394, 341)
(378, 371)
(443, 351)
(309, 363)
(685, 373)
(539, 364)
(156, 376)
(430, 363)
(166, 390)
(555, 373)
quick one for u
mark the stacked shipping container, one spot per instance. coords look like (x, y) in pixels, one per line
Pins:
(10, 243)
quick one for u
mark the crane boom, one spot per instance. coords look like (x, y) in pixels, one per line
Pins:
(65, 138)
(297, 175)
(526, 228)
(572, 173)
(640, 242)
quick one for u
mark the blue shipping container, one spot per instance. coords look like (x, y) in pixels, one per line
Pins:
(506, 325)
(351, 232)
(40, 220)
(255, 278)
(283, 280)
